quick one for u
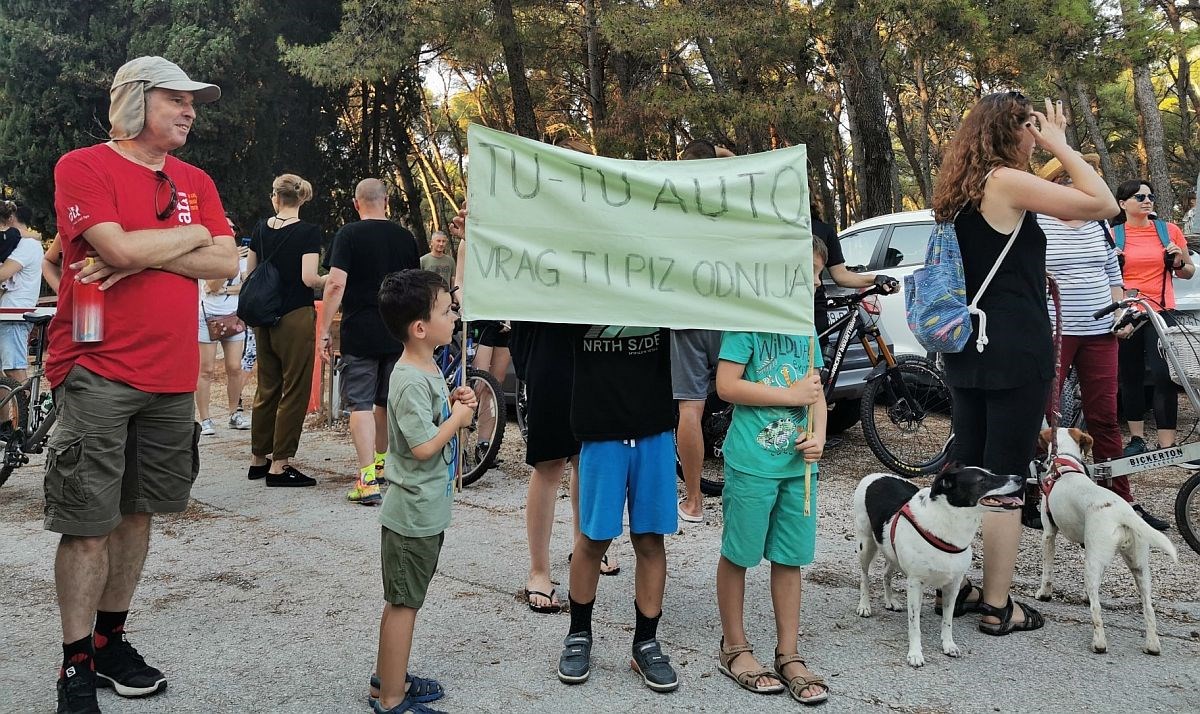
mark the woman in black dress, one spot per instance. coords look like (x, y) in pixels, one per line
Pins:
(985, 187)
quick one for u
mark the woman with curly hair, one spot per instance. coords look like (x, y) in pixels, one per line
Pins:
(986, 189)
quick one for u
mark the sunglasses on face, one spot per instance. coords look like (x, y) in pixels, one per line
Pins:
(164, 181)
(1139, 197)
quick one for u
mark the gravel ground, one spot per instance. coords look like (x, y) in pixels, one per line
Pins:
(267, 600)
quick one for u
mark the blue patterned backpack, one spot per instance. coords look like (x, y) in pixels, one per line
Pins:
(935, 296)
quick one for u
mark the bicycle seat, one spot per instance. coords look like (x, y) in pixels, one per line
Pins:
(35, 319)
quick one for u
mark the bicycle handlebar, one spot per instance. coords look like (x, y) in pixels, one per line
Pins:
(836, 301)
(1106, 310)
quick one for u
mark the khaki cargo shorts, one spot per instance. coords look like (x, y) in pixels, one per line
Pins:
(408, 566)
(117, 450)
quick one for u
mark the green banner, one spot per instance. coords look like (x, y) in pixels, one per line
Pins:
(556, 235)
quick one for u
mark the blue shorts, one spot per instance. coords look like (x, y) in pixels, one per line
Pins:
(14, 344)
(642, 469)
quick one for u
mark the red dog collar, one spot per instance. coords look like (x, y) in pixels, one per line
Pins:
(930, 538)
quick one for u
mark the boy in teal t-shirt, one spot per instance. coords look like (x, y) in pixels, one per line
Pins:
(769, 503)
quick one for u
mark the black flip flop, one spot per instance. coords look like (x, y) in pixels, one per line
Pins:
(603, 562)
(546, 609)
(1033, 619)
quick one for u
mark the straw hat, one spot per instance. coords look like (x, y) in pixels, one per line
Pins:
(1054, 167)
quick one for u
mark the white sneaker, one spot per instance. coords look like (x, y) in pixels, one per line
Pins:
(207, 428)
(238, 421)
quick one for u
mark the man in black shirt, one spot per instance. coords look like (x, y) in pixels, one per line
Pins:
(364, 252)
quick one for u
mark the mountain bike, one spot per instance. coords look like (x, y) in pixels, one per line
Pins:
(26, 412)
(486, 432)
(906, 410)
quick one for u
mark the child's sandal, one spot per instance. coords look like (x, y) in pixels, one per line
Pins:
(746, 680)
(796, 685)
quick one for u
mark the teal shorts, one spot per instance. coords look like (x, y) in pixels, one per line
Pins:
(764, 518)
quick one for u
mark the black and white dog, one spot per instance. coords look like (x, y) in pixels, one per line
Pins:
(1101, 521)
(926, 534)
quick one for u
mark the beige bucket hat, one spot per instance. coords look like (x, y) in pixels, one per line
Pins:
(127, 108)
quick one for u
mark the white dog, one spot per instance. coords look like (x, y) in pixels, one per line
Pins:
(1103, 523)
(926, 534)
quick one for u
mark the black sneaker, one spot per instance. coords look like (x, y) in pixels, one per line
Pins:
(1136, 445)
(290, 478)
(256, 472)
(118, 665)
(575, 662)
(77, 690)
(654, 666)
(1151, 520)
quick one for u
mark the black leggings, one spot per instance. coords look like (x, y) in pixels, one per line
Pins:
(998, 428)
(1134, 355)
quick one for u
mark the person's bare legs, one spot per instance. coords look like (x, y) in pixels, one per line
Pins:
(612, 565)
(395, 645)
(650, 573)
(731, 602)
(539, 522)
(208, 356)
(690, 440)
(786, 584)
(233, 372)
(585, 568)
(381, 430)
(1001, 538)
(80, 572)
(362, 433)
(128, 545)
(20, 375)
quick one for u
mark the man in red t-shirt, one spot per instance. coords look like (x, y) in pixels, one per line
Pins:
(144, 226)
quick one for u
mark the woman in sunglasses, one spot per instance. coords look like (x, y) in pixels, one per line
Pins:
(1152, 251)
(986, 190)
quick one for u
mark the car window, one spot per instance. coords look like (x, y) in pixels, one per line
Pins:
(907, 245)
(858, 247)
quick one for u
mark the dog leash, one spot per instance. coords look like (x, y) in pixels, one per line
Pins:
(931, 539)
(1054, 410)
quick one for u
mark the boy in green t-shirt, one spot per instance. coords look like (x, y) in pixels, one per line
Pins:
(422, 422)
(769, 502)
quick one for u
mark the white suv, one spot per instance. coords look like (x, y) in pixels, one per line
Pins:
(894, 244)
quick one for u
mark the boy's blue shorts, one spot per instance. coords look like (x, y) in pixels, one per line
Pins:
(643, 469)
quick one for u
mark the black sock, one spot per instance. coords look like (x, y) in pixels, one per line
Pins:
(76, 652)
(581, 616)
(646, 627)
(108, 625)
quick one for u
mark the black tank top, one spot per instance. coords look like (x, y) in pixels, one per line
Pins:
(1020, 348)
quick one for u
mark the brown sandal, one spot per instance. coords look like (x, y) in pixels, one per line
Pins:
(746, 680)
(796, 685)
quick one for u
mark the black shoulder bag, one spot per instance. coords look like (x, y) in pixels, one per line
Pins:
(260, 301)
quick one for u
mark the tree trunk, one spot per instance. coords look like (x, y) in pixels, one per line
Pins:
(514, 60)
(595, 66)
(859, 61)
(1083, 97)
(906, 141)
(1154, 139)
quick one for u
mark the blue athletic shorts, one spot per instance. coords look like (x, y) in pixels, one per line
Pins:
(642, 469)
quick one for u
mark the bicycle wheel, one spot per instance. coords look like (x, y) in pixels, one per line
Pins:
(14, 415)
(906, 417)
(483, 438)
(1187, 511)
(522, 407)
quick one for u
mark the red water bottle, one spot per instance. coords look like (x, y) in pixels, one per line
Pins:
(87, 315)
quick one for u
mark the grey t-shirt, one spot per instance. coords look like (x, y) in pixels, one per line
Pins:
(417, 504)
(443, 266)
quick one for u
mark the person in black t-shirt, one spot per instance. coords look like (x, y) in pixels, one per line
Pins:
(623, 413)
(285, 351)
(363, 253)
(836, 267)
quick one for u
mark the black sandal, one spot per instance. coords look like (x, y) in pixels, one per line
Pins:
(961, 605)
(1033, 619)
